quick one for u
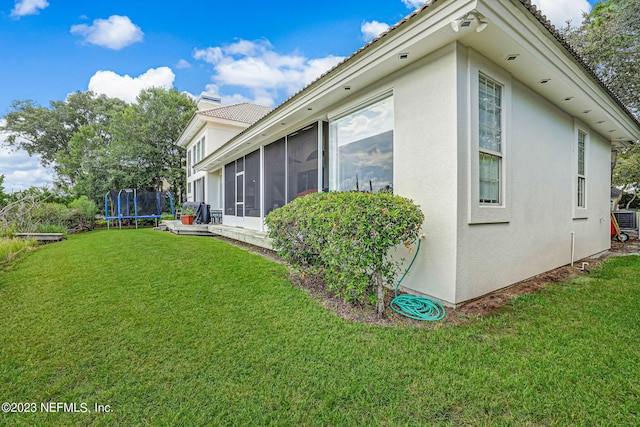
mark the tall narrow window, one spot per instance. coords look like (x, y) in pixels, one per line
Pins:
(199, 190)
(188, 163)
(490, 140)
(582, 179)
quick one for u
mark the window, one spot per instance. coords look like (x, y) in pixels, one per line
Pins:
(490, 140)
(582, 179)
(362, 149)
(198, 151)
(489, 125)
(199, 190)
(189, 163)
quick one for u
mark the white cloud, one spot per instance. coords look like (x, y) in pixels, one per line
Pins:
(20, 170)
(183, 63)
(559, 11)
(126, 87)
(413, 4)
(371, 30)
(114, 33)
(210, 54)
(28, 7)
(264, 74)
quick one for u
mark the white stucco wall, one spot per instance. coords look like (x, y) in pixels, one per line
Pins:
(537, 236)
(218, 134)
(215, 135)
(463, 256)
(425, 170)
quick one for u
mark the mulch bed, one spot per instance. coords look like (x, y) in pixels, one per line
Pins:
(468, 312)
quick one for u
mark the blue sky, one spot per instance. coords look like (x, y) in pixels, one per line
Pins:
(256, 51)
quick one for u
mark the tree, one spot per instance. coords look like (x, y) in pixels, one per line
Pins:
(48, 131)
(626, 174)
(95, 143)
(86, 166)
(3, 196)
(144, 138)
(609, 41)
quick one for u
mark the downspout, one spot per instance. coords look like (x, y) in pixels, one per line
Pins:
(573, 246)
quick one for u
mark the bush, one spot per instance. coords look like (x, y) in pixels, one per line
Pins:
(346, 238)
(50, 228)
(83, 212)
(50, 213)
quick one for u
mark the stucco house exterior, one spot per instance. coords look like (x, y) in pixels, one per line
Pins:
(210, 127)
(475, 109)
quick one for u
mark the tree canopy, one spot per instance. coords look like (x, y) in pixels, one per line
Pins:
(609, 40)
(95, 143)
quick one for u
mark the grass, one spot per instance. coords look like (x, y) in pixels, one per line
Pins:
(170, 330)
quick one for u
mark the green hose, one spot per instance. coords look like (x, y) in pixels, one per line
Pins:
(416, 307)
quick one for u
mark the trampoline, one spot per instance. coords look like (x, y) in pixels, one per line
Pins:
(131, 204)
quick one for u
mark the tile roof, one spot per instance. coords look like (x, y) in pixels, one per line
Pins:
(243, 112)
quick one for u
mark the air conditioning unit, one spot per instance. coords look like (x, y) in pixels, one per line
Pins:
(627, 220)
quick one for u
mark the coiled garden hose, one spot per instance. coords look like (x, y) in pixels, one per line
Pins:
(416, 307)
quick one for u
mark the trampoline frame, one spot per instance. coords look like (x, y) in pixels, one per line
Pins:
(128, 192)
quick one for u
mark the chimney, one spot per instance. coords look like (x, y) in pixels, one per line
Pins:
(206, 101)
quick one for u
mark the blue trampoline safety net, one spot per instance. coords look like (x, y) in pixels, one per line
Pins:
(134, 204)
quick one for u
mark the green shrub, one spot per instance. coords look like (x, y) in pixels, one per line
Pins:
(7, 231)
(346, 238)
(50, 228)
(83, 212)
(51, 213)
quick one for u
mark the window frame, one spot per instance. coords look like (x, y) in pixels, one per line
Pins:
(189, 163)
(488, 152)
(487, 213)
(580, 185)
(334, 147)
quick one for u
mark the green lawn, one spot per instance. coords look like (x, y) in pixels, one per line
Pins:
(190, 331)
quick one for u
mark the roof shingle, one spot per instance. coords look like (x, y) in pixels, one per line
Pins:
(243, 112)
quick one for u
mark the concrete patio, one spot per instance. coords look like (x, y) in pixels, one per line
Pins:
(252, 237)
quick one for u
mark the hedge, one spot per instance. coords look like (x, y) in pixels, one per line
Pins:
(346, 237)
